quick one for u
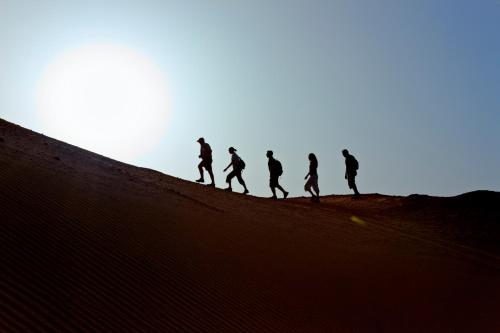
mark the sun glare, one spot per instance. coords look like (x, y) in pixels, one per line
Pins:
(108, 99)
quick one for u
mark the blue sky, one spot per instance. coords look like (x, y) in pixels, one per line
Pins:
(411, 88)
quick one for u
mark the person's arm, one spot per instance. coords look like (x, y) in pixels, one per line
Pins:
(228, 166)
(307, 175)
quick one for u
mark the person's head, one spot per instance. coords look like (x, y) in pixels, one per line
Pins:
(269, 154)
(345, 152)
(231, 150)
(312, 157)
(201, 141)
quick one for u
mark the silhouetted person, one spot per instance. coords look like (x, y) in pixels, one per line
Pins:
(351, 170)
(206, 161)
(312, 182)
(275, 171)
(238, 166)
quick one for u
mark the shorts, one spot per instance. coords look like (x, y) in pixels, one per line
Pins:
(235, 173)
(207, 164)
(312, 182)
(274, 181)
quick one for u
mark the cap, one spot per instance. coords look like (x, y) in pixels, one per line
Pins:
(200, 140)
(232, 148)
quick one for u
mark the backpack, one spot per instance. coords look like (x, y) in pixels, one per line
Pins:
(241, 164)
(355, 163)
(278, 167)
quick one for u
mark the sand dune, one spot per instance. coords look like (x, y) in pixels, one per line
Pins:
(89, 244)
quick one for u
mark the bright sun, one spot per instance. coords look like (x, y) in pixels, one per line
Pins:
(105, 98)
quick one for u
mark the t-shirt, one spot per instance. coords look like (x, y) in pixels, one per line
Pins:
(206, 151)
(235, 159)
(313, 168)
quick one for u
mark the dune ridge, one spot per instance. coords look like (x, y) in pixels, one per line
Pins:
(89, 244)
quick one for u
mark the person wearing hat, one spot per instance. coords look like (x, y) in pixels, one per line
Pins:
(206, 161)
(238, 166)
(275, 171)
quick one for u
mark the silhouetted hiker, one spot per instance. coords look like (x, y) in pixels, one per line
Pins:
(238, 166)
(351, 170)
(312, 182)
(275, 171)
(206, 161)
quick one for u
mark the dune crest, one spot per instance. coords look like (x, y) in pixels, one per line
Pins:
(89, 244)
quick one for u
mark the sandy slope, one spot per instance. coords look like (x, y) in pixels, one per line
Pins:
(88, 244)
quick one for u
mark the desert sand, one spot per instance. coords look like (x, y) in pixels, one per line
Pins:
(89, 244)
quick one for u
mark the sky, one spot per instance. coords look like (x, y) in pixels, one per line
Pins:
(411, 88)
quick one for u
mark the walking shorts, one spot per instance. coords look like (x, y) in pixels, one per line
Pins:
(274, 181)
(207, 164)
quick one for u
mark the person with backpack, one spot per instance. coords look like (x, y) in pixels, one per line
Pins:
(312, 178)
(275, 171)
(206, 161)
(351, 171)
(238, 165)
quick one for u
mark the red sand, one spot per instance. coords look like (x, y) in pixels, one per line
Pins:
(89, 244)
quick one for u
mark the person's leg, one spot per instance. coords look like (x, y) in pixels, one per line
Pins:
(228, 179)
(242, 182)
(281, 189)
(307, 187)
(272, 185)
(285, 193)
(273, 189)
(352, 185)
(314, 185)
(356, 192)
(212, 177)
(210, 172)
(200, 168)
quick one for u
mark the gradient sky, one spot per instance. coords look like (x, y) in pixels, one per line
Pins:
(411, 88)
